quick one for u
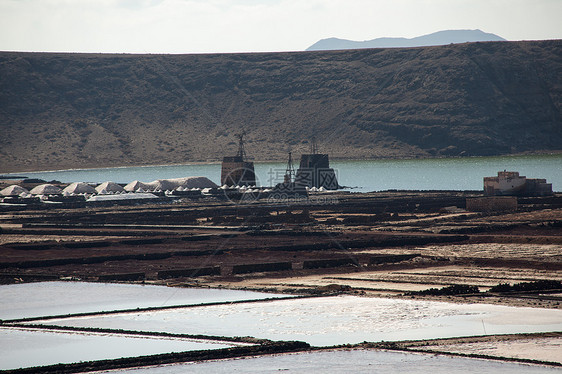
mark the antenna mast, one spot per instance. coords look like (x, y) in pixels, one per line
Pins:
(290, 171)
(314, 146)
(241, 151)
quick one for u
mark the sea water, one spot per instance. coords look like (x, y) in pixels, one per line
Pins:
(362, 175)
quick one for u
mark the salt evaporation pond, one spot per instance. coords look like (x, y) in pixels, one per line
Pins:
(350, 361)
(57, 298)
(20, 348)
(327, 321)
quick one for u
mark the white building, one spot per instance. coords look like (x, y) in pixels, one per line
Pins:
(511, 183)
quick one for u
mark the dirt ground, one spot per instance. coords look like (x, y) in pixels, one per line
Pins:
(390, 244)
(542, 349)
(538, 348)
(378, 244)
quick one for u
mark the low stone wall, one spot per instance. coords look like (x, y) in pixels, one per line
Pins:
(189, 273)
(142, 241)
(492, 204)
(122, 277)
(329, 263)
(385, 259)
(257, 268)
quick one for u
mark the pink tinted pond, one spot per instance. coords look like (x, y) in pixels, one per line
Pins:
(20, 348)
(350, 361)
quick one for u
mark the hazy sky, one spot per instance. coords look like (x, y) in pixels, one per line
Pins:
(195, 26)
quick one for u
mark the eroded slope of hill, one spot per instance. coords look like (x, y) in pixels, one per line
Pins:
(88, 110)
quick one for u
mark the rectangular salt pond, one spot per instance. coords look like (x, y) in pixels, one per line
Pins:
(56, 298)
(349, 361)
(20, 348)
(330, 321)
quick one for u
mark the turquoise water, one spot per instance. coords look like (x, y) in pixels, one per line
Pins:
(363, 175)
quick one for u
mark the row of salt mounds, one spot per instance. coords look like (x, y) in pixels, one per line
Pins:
(171, 184)
(316, 189)
(79, 188)
(13, 190)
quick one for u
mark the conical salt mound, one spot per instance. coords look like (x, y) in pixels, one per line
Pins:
(13, 190)
(109, 187)
(135, 185)
(46, 189)
(79, 187)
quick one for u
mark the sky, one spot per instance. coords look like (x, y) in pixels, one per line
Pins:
(222, 26)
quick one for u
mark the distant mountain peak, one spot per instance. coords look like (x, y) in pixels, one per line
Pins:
(437, 38)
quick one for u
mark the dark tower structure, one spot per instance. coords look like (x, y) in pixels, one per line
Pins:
(290, 171)
(289, 187)
(314, 170)
(236, 171)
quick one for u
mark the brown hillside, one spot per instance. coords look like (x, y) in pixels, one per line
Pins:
(90, 110)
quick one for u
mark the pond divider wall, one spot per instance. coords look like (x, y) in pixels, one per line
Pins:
(190, 273)
(122, 277)
(100, 259)
(384, 259)
(168, 358)
(330, 263)
(141, 241)
(256, 268)
(379, 242)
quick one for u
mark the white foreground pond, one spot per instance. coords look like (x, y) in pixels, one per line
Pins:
(56, 298)
(327, 321)
(21, 348)
(321, 321)
(352, 361)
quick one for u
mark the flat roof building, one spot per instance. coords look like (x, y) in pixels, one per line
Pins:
(510, 183)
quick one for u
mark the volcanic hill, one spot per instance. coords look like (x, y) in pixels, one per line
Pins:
(437, 38)
(92, 110)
